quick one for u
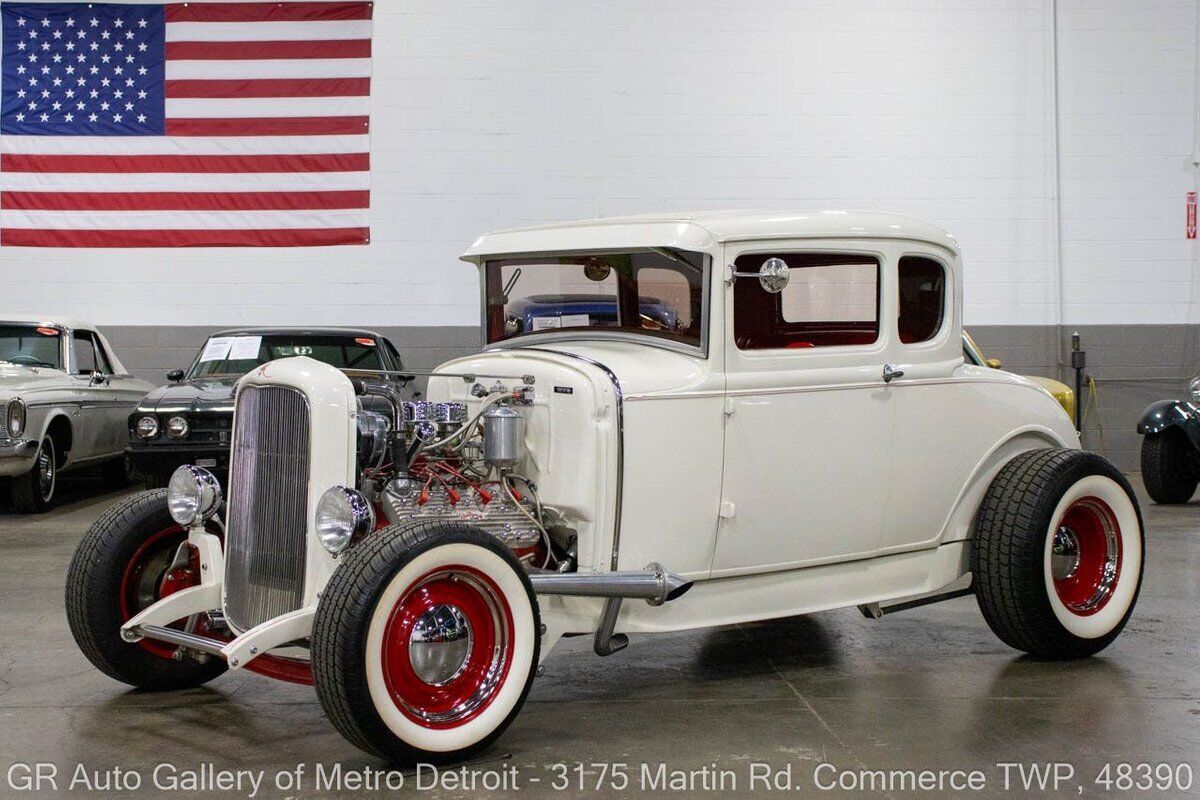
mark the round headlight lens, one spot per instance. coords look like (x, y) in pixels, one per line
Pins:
(193, 495)
(1194, 389)
(177, 427)
(14, 421)
(342, 515)
(147, 427)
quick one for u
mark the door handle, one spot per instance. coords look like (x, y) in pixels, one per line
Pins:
(890, 372)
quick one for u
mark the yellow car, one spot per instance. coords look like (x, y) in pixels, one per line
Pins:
(1064, 394)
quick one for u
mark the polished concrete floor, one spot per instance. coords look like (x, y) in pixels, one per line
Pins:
(928, 689)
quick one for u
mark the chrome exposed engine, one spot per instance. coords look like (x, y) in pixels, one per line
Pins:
(446, 461)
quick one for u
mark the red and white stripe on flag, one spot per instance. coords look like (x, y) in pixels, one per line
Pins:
(265, 143)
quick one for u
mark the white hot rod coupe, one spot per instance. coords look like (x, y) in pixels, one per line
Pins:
(721, 418)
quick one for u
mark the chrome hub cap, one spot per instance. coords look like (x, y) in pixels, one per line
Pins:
(45, 473)
(1085, 556)
(1064, 555)
(440, 645)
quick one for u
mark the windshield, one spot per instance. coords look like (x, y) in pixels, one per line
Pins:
(237, 355)
(655, 292)
(31, 345)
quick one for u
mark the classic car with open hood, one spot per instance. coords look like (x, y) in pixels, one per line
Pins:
(65, 396)
(804, 435)
(189, 421)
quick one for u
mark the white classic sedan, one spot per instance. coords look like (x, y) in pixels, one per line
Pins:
(66, 398)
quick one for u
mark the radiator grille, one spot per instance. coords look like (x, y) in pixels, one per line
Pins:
(268, 506)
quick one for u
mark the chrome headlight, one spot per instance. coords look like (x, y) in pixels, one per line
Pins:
(1194, 389)
(193, 494)
(342, 515)
(147, 426)
(14, 419)
(177, 427)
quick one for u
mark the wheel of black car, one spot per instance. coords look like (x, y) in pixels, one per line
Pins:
(1057, 554)
(33, 492)
(1169, 467)
(118, 472)
(125, 562)
(425, 642)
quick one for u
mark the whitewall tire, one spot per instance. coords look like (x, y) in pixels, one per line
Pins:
(1057, 556)
(426, 642)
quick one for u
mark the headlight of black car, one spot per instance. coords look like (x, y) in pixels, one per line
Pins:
(147, 426)
(177, 427)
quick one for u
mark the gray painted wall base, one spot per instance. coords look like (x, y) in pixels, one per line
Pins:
(1132, 365)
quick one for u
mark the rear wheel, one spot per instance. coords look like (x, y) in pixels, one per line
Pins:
(1057, 555)
(129, 559)
(1169, 467)
(33, 492)
(425, 642)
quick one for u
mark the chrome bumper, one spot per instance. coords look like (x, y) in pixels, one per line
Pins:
(16, 456)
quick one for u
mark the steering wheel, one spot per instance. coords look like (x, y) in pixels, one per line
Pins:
(28, 361)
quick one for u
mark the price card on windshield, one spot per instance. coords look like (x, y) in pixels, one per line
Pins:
(217, 348)
(245, 348)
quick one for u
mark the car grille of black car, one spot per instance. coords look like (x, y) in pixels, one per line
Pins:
(210, 429)
(265, 545)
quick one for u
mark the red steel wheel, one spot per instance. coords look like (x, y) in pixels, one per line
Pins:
(150, 576)
(447, 646)
(1085, 559)
(426, 642)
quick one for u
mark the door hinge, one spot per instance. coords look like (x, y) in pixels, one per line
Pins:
(729, 406)
(728, 509)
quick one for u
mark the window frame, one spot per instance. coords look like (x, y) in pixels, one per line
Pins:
(947, 322)
(529, 340)
(99, 358)
(883, 334)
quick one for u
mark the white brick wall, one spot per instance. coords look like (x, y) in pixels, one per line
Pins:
(489, 114)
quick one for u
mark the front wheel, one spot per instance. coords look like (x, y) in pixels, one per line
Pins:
(129, 559)
(1057, 555)
(33, 491)
(1169, 467)
(425, 642)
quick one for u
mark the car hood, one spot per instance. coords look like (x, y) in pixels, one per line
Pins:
(199, 395)
(639, 369)
(16, 379)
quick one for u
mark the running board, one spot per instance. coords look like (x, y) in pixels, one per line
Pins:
(877, 610)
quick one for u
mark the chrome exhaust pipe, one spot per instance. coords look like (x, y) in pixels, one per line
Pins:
(654, 585)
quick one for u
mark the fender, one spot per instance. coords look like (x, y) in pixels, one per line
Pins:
(1165, 414)
(960, 523)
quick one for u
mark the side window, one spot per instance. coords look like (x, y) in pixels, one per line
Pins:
(85, 353)
(922, 299)
(831, 299)
(397, 362)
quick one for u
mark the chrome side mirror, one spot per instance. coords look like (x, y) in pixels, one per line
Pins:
(772, 276)
(98, 378)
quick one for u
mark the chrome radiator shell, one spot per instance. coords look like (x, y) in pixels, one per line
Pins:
(267, 522)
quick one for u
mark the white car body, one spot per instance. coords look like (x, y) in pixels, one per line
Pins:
(779, 482)
(91, 410)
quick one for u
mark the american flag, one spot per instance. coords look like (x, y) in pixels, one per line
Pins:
(185, 125)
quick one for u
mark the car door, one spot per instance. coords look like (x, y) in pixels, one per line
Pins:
(808, 414)
(86, 438)
(937, 437)
(119, 393)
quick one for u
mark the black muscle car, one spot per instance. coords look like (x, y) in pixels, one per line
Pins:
(189, 421)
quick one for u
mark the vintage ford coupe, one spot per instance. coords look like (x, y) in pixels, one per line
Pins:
(804, 436)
